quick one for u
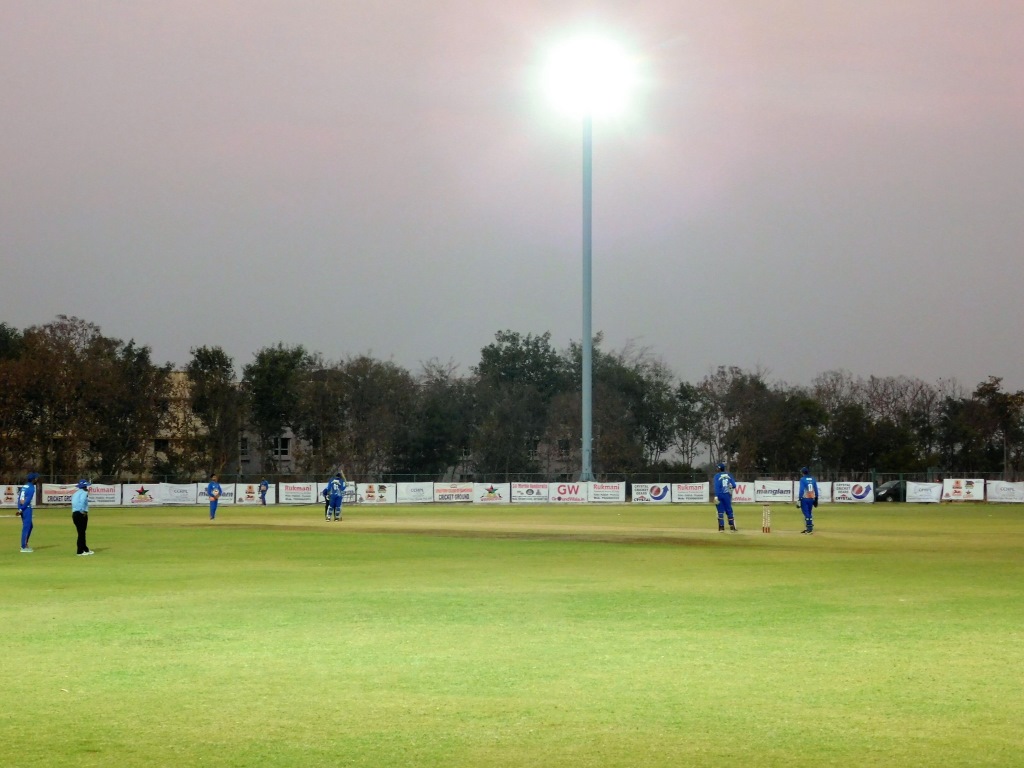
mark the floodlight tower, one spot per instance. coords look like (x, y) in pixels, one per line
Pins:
(588, 77)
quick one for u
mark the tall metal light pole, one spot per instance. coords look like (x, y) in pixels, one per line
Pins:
(589, 77)
(586, 471)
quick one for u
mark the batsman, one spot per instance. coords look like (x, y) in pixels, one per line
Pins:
(336, 492)
(724, 485)
(808, 498)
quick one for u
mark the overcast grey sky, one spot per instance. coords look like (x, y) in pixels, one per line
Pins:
(800, 185)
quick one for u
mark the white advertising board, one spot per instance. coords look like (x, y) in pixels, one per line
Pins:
(924, 493)
(743, 493)
(146, 495)
(249, 493)
(174, 493)
(606, 492)
(651, 493)
(297, 492)
(376, 493)
(492, 493)
(849, 493)
(1000, 490)
(567, 493)
(963, 489)
(766, 491)
(415, 493)
(53, 493)
(450, 493)
(529, 493)
(691, 493)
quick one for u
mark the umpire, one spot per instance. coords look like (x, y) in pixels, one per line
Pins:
(80, 515)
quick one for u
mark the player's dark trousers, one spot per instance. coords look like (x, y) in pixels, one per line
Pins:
(81, 521)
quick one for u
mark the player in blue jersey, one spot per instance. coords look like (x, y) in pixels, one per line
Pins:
(336, 491)
(213, 491)
(25, 496)
(264, 487)
(808, 498)
(724, 485)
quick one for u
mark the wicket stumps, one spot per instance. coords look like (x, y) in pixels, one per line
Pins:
(766, 518)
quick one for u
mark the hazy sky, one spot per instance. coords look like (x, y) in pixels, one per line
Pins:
(800, 185)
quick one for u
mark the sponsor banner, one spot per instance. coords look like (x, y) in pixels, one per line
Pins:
(529, 493)
(104, 495)
(824, 491)
(376, 493)
(1000, 490)
(567, 493)
(605, 492)
(924, 493)
(743, 493)
(651, 493)
(448, 493)
(847, 493)
(143, 494)
(51, 493)
(174, 493)
(297, 493)
(415, 493)
(227, 493)
(962, 489)
(492, 493)
(691, 493)
(249, 493)
(9, 495)
(773, 490)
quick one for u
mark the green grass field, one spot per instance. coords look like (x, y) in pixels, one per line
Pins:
(515, 636)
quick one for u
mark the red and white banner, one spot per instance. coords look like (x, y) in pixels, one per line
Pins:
(298, 493)
(9, 495)
(143, 494)
(1000, 490)
(51, 493)
(492, 493)
(691, 493)
(567, 493)
(529, 493)
(606, 492)
(924, 493)
(415, 493)
(766, 491)
(249, 494)
(376, 493)
(743, 493)
(849, 493)
(450, 493)
(652, 493)
(963, 489)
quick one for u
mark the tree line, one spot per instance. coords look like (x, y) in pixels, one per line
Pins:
(76, 402)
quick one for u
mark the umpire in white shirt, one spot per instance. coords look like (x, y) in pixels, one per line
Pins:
(80, 515)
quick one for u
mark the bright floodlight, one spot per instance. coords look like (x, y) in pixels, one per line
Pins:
(589, 76)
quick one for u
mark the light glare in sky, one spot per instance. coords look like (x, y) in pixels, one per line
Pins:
(589, 76)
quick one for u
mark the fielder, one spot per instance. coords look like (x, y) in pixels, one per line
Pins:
(25, 494)
(724, 485)
(808, 498)
(213, 491)
(264, 487)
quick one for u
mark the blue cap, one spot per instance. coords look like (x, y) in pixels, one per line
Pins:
(721, 465)
(33, 476)
(84, 483)
(805, 471)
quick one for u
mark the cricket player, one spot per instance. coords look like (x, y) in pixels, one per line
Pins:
(808, 498)
(213, 491)
(264, 487)
(336, 488)
(80, 515)
(724, 485)
(25, 496)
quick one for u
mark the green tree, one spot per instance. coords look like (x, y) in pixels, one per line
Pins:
(216, 401)
(272, 385)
